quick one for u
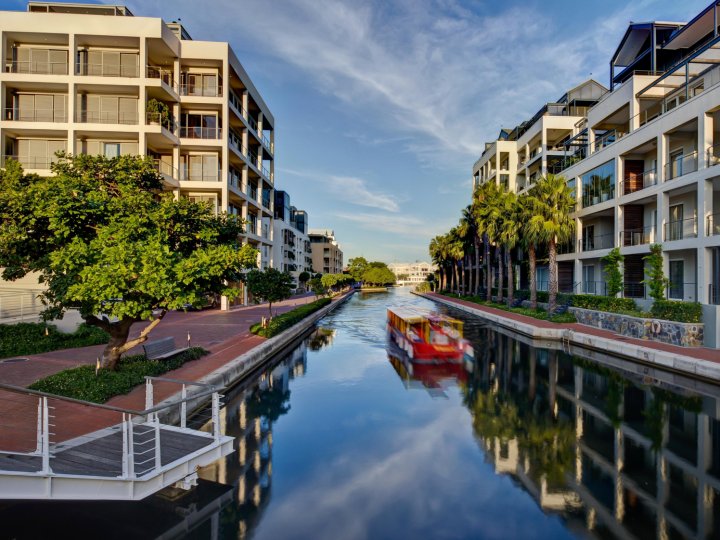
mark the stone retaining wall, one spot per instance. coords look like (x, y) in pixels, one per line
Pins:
(674, 333)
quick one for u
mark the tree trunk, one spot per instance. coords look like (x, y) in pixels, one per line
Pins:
(477, 266)
(488, 274)
(461, 264)
(270, 309)
(501, 273)
(553, 286)
(119, 332)
(455, 277)
(533, 280)
(511, 284)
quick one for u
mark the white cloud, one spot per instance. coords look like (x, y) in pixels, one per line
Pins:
(395, 225)
(355, 190)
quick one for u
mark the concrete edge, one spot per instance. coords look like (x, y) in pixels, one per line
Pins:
(235, 370)
(663, 359)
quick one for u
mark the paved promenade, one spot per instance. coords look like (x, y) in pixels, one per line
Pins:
(697, 353)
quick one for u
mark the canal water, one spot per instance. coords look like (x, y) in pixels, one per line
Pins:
(346, 438)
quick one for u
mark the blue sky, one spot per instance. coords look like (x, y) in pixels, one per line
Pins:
(382, 107)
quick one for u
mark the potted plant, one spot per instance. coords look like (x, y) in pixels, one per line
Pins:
(158, 112)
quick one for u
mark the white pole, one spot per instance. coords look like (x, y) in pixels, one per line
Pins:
(45, 439)
(149, 395)
(125, 468)
(216, 415)
(38, 447)
(158, 461)
(183, 407)
(131, 448)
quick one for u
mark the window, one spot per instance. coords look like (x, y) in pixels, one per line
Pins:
(589, 284)
(677, 277)
(675, 223)
(588, 238)
(676, 163)
(111, 150)
(598, 185)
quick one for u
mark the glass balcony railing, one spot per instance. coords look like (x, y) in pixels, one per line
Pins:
(196, 132)
(30, 162)
(636, 182)
(681, 229)
(681, 165)
(200, 174)
(713, 225)
(165, 75)
(14, 114)
(107, 117)
(637, 237)
(166, 169)
(37, 68)
(201, 90)
(107, 69)
(598, 241)
(155, 118)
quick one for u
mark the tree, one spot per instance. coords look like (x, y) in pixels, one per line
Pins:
(356, 267)
(531, 236)
(656, 281)
(107, 241)
(378, 276)
(317, 287)
(403, 277)
(555, 201)
(303, 278)
(613, 275)
(484, 201)
(439, 256)
(270, 286)
(468, 216)
(510, 224)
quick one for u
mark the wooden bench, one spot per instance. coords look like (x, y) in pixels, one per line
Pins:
(162, 348)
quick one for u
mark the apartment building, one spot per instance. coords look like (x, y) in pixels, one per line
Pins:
(413, 273)
(96, 79)
(642, 162)
(292, 252)
(327, 257)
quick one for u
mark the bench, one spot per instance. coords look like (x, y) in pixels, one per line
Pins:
(162, 348)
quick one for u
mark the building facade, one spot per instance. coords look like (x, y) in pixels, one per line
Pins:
(642, 162)
(95, 79)
(327, 257)
(291, 246)
(416, 272)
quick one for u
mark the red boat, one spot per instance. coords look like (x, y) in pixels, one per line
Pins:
(427, 336)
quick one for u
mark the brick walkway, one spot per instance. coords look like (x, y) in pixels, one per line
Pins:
(699, 353)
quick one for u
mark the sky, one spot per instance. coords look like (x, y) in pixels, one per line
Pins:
(382, 106)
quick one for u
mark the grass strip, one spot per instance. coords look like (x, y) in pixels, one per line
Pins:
(29, 338)
(537, 313)
(82, 383)
(286, 320)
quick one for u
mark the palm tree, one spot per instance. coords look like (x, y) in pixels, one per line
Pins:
(439, 254)
(531, 237)
(455, 254)
(552, 220)
(510, 225)
(468, 216)
(484, 201)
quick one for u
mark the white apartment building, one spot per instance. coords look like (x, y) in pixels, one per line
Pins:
(416, 272)
(643, 163)
(292, 252)
(96, 79)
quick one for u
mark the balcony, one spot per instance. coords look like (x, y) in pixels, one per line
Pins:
(637, 237)
(681, 229)
(107, 117)
(165, 75)
(713, 225)
(166, 169)
(598, 241)
(197, 132)
(594, 287)
(200, 174)
(201, 85)
(636, 182)
(156, 118)
(681, 166)
(37, 67)
(13, 114)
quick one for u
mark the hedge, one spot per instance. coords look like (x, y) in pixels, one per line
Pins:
(82, 383)
(604, 303)
(29, 338)
(671, 310)
(286, 320)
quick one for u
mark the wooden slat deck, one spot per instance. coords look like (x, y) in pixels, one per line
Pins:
(101, 454)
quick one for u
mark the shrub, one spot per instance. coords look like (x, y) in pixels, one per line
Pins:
(286, 320)
(604, 303)
(423, 287)
(670, 310)
(656, 282)
(612, 271)
(30, 338)
(82, 383)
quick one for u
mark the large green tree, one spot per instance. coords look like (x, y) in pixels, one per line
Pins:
(270, 286)
(107, 241)
(378, 275)
(357, 266)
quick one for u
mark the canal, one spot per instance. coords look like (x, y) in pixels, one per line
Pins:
(345, 438)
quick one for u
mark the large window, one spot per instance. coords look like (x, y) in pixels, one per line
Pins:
(598, 185)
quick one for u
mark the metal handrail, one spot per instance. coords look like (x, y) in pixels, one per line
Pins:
(190, 132)
(157, 118)
(212, 175)
(681, 166)
(105, 117)
(37, 68)
(30, 162)
(649, 178)
(107, 70)
(165, 75)
(163, 167)
(597, 241)
(204, 91)
(17, 114)
(680, 229)
(637, 237)
(713, 225)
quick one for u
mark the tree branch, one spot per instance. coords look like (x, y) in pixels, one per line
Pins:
(92, 320)
(142, 338)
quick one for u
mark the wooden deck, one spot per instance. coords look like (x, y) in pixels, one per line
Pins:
(102, 455)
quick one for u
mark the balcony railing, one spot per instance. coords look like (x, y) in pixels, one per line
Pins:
(189, 132)
(681, 291)
(105, 117)
(678, 230)
(198, 90)
(637, 237)
(598, 241)
(165, 75)
(680, 166)
(564, 248)
(107, 70)
(30, 162)
(14, 114)
(641, 181)
(594, 287)
(713, 225)
(713, 294)
(38, 68)
(633, 290)
(200, 174)
(606, 139)
(155, 118)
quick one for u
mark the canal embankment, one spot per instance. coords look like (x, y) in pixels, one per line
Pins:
(696, 361)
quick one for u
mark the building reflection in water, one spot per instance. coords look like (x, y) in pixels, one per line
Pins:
(248, 415)
(616, 452)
